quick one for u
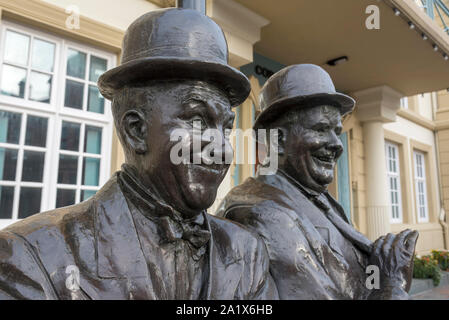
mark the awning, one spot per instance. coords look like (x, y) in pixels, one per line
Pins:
(316, 31)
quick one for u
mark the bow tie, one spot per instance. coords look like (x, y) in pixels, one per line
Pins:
(191, 231)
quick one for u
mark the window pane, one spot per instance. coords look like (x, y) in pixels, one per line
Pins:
(40, 87)
(30, 201)
(16, 47)
(6, 198)
(97, 68)
(43, 55)
(13, 81)
(92, 140)
(86, 194)
(33, 166)
(70, 136)
(10, 127)
(95, 101)
(74, 92)
(91, 171)
(76, 64)
(36, 132)
(65, 197)
(8, 164)
(68, 166)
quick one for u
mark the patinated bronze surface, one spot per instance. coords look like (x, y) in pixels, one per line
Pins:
(314, 251)
(146, 233)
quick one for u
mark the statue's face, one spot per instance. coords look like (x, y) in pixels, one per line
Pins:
(177, 107)
(312, 146)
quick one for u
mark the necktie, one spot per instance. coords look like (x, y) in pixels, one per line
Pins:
(191, 231)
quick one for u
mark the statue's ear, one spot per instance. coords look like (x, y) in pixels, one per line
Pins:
(134, 129)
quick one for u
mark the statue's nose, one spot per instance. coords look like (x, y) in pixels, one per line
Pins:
(335, 144)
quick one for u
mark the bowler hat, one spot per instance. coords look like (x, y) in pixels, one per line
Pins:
(175, 44)
(299, 86)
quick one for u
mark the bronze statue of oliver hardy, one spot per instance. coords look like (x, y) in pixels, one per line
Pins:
(146, 233)
(314, 251)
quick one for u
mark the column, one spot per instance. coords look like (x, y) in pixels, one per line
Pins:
(376, 106)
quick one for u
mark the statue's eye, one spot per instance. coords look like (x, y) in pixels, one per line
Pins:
(338, 131)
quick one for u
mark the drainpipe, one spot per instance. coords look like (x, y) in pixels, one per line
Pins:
(442, 215)
(198, 5)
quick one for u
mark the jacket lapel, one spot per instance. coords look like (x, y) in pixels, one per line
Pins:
(225, 268)
(119, 254)
(341, 222)
(299, 204)
(295, 199)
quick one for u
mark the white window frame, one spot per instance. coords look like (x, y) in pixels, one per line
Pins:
(24, 102)
(17, 183)
(422, 209)
(56, 113)
(396, 175)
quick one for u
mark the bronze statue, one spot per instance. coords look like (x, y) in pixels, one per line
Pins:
(314, 251)
(146, 233)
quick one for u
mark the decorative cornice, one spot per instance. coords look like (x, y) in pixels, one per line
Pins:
(377, 104)
(416, 118)
(442, 125)
(164, 3)
(442, 110)
(53, 18)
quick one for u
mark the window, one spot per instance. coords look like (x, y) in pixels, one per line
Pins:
(28, 66)
(55, 127)
(420, 187)
(394, 182)
(404, 103)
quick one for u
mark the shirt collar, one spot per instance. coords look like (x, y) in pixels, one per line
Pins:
(307, 191)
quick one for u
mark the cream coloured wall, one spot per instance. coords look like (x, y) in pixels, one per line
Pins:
(425, 108)
(119, 14)
(442, 131)
(412, 130)
(419, 137)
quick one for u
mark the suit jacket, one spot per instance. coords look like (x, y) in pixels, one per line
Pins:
(303, 264)
(99, 238)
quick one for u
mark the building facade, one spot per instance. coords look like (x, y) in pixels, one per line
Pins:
(57, 140)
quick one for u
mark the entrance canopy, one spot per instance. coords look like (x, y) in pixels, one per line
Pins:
(316, 31)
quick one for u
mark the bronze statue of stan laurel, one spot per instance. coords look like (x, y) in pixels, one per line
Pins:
(146, 233)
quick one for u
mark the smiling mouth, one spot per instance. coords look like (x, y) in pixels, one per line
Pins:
(325, 160)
